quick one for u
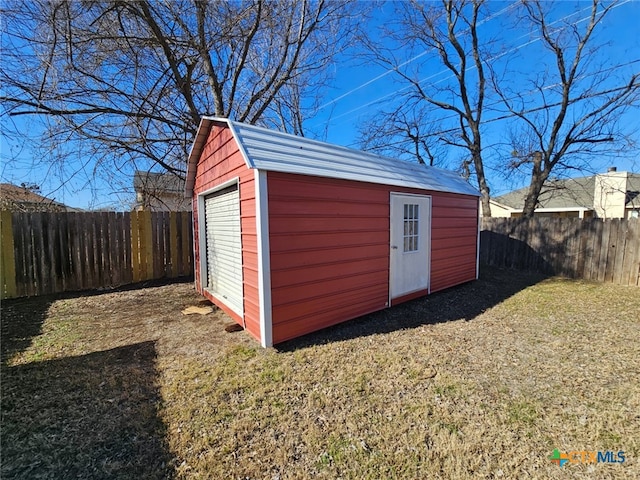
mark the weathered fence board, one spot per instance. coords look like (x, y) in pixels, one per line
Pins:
(632, 254)
(54, 252)
(593, 249)
(8, 265)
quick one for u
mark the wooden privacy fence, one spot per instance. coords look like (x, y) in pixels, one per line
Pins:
(68, 251)
(592, 249)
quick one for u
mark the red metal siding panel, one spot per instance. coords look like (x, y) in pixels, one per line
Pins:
(462, 241)
(454, 231)
(221, 161)
(304, 316)
(334, 256)
(329, 243)
(449, 200)
(287, 276)
(282, 223)
(453, 222)
(453, 276)
(327, 288)
(301, 241)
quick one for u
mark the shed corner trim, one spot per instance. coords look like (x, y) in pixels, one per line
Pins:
(264, 263)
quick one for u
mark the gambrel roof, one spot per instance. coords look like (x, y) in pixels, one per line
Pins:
(270, 150)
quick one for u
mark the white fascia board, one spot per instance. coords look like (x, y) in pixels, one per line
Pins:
(557, 209)
(429, 236)
(384, 178)
(502, 205)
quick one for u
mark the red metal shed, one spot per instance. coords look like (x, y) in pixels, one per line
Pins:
(293, 235)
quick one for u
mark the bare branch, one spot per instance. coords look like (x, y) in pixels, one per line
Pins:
(129, 80)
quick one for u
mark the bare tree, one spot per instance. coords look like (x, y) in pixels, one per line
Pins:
(555, 115)
(448, 30)
(129, 80)
(571, 112)
(400, 133)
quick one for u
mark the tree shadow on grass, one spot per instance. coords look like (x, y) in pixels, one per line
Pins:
(21, 321)
(90, 416)
(463, 302)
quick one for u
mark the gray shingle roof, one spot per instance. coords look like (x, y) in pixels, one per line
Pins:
(568, 193)
(151, 182)
(20, 199)
(633, 191)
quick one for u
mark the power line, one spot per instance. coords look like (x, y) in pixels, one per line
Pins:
(399, 90)
(525, 112)
(389, 71)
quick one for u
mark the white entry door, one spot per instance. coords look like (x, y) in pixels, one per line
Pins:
(410, 244)
(224, 252)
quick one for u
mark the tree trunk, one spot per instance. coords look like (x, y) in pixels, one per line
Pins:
(538, 176)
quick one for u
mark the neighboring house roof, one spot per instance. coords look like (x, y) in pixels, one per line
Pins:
(569, 193)
(157, 183)
(20, 199)
(633, 191)
(160, 192)
(269, 150)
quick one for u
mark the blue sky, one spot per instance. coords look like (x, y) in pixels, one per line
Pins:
(371, 88)
(359, 91)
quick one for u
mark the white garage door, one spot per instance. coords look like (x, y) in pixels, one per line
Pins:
(224, 253)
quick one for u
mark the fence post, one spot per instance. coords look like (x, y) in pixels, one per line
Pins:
(8, 265)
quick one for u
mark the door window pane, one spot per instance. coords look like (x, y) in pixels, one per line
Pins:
(411, 227)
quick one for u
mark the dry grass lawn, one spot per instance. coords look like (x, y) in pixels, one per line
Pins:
(484, 380)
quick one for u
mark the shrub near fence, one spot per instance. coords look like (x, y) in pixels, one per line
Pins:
(592, 249)
(46, 252)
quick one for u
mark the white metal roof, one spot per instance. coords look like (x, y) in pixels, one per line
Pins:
(269, 150)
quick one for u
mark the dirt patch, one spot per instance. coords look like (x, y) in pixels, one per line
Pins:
(480, 381)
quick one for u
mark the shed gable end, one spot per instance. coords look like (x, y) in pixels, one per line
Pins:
(220, 162)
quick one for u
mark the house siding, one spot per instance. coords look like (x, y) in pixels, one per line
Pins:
(220, 162)
(330, 248)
